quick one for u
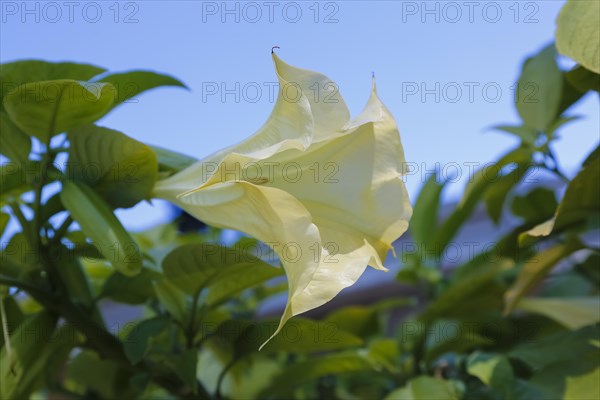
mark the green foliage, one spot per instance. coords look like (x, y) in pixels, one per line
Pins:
(102, 226)
(518, 320)
(124, 169)
(578, 33)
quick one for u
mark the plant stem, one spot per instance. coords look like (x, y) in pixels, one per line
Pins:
(226, 369)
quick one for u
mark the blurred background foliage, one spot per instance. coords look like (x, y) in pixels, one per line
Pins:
(518, 320)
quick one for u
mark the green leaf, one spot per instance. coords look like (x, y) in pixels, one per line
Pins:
(594, 155)
(424, 388)
(578, 33)
(363, 321)
(496, 195)
(119, 168)
(14, 144)
(425, 213)
(557, 348)
(195, 266)
(299, 335)
(20, 372)
(237, 278)
(589, 268)
(536, 206)
(14, 315)
(52, 207)
(13, 181)
(452, 339)
(130, 84)
(535, 269)
(130, 289)
(527, 135)
(494, 370)
(172, 298)
(136, 342)
(457, 299)
(44, 109)
(311, 369)
(572, 312)
(99, 224)
(539, 90)
(570, 95)
(583, 79)
(4, 219)
(581, 197)
(74, 279)
(576, 378)
(172, 161)
(559, 123)
(475, 190)
(17, 73)
(103, 376)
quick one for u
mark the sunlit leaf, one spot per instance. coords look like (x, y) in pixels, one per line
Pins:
(424, 388)
(539, 90)
(578, 33)
(535, 269)
(119, 168)
(44, 109)
(100, 224)
(17, 73)
(572, 312)
(14, 144)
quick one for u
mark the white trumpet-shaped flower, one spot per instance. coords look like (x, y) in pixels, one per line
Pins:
(325, 192)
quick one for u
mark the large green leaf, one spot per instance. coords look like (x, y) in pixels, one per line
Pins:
(478, 184)
(424, 388)
(581, 197)
(536, 206)
(44, 109)
(4, 219)
(583, 79)
(130, 289)
(136, 342)
(130, 84)
(557, 348)
(13, 314)
(526, 134)
(535, 269)
(195, 266)
(14, 144)
(578, 32)
(311, 369)
(425, 212)
(572, 312)
(299, 335)
(494, 370)
(576, 378)
(539, 90)
(17, 73)
(119, 168)
(20, 372)
(237, 278)
(99, 224)
(172, 298)
(451, 337)
(496, 194)
(103, 376)
(363, 321)
(481, 284)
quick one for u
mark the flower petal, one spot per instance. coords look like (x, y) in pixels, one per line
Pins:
(328, 107)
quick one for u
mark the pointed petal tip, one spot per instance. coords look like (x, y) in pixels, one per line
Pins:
(373, 82)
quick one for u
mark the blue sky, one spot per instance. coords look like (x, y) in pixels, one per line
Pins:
(466, 55)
